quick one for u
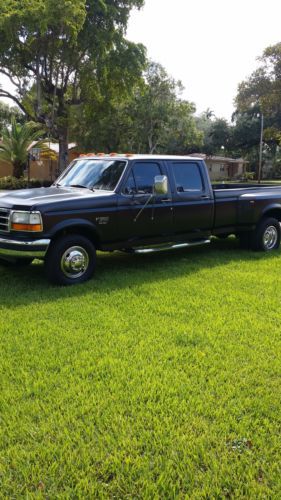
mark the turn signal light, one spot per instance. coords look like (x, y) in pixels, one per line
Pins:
(26, 227)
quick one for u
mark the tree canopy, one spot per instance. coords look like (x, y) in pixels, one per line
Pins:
(152, 119)
(58, 54)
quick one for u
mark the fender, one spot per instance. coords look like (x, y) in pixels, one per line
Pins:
(75, 223)
(270, 208)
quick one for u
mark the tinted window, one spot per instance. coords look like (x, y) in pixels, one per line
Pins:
(187, 176)
(130, 186)
(144, 174)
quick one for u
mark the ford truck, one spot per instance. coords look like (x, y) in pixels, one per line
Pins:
(132, 203)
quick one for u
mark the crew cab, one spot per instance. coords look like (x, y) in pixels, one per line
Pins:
(132, 203)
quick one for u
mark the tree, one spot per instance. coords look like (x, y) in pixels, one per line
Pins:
(62, 54)
(162, 122)
(261, 94)
(150, 119)
(16, 142)
(217, 134)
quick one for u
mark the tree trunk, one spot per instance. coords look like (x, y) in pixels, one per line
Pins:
(63, 149)
(18, 169)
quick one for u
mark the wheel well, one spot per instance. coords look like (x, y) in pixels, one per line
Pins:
(274, 212)
(82, 231)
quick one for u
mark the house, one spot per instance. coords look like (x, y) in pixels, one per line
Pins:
(223, 168)
(43, 164)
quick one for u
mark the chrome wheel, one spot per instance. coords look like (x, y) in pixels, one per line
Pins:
(74, 262)
(270, 237)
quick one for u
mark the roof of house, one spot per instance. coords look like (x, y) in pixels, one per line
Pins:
(54, 146)
(203, 156)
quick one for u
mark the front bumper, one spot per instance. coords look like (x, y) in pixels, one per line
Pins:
(20, 248)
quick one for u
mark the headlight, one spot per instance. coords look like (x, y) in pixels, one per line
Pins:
(26, 221)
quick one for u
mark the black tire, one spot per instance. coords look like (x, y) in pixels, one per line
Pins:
(16, 262)
(267, 235)
(70, 260)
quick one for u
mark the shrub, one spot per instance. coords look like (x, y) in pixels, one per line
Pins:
(9, 183)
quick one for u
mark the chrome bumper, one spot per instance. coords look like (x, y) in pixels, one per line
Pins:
(18, 248)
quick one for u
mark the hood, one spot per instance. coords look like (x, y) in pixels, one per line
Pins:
(34, 198)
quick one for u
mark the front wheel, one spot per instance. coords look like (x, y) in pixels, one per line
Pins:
(70, 259)
(267, 235)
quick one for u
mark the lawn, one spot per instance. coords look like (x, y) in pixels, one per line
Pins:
(160, 378)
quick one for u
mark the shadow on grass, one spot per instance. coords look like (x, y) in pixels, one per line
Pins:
(20, 286)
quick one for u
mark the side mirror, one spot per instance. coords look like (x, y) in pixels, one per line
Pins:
(160, 184)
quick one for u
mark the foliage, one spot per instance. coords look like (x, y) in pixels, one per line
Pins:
(217, 134)
(153, 119)
(11, 183)
(263, 87)
(261, 93)
(150, 381)
(16, 142)
(62, 54)
(7, 113)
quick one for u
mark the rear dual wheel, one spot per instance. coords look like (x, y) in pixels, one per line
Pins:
(266, 236)
(70, 260)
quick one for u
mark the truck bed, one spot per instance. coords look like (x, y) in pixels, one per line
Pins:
(228, 212)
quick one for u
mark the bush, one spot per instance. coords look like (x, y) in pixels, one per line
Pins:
(9, 183)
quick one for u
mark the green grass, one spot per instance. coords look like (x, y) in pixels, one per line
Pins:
(160, 378)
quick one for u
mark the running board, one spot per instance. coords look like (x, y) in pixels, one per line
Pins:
(175, 246)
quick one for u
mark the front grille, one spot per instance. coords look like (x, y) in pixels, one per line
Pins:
(4, 220)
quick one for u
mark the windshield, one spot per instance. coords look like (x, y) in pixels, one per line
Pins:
(93, 174)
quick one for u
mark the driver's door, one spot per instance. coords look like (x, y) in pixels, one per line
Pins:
(141, 216)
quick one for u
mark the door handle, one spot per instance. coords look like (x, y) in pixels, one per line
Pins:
(166, 199)
(205, 197)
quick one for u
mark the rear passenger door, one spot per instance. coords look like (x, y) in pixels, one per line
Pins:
(193, 203)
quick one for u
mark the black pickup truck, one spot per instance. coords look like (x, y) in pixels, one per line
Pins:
(134, 203)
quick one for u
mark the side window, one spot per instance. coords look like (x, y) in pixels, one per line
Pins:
(141, 178)
(187, 177)
(144, 173)
(130, 186)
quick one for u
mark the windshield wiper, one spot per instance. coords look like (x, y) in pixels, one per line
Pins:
(77, 186)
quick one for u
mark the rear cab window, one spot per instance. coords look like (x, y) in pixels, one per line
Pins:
(187, 177)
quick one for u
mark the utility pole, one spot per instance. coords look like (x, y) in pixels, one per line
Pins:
(260, 154)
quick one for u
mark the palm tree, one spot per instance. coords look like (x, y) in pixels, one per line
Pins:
(16, 142)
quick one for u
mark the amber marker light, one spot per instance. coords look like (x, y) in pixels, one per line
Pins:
(26, 227)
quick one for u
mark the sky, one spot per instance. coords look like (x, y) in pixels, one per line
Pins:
(210, 45)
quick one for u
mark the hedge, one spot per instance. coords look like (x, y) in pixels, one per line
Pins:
(22, 183)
